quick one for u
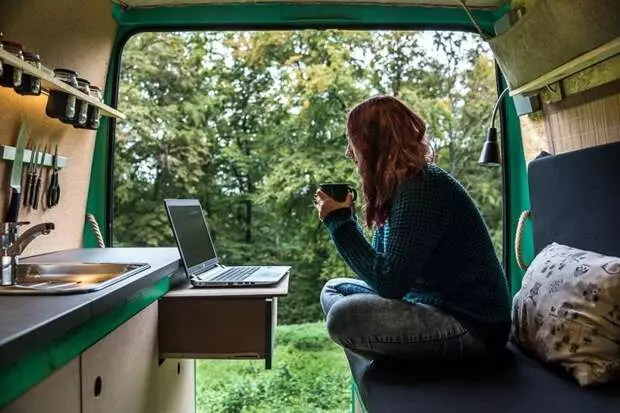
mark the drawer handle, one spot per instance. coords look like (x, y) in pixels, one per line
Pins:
(98, 386)
(179, 368)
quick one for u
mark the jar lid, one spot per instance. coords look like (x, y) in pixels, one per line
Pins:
(66, 72)
(80, 80)
(93, 87)
(32, 56)
(11, 45)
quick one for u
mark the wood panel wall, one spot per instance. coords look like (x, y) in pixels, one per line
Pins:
(589, 118)
(71, 34)
(584, 119)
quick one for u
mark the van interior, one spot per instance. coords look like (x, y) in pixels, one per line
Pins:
(107, 107)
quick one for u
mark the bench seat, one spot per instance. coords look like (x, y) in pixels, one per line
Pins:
(513, 383)
(574, 187)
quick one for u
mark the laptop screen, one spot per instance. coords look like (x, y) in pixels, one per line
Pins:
(192, 234)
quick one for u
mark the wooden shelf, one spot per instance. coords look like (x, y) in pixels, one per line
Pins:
(576, 65)
(49, 82)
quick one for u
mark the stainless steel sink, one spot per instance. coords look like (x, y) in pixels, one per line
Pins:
(69, 278)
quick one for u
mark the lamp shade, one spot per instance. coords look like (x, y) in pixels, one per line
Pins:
(490, 155)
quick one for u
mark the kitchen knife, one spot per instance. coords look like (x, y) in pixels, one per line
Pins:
(38, 177)
(29, 175)
(16, 176)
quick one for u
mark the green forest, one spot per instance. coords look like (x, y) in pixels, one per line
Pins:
(250, 123)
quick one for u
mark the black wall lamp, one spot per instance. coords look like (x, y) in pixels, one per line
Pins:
(491, 154)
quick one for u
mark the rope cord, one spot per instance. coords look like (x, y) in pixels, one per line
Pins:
(471, 17)
(525, 215)
(95, 227)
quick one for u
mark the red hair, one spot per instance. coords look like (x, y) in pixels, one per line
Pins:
(390, 146)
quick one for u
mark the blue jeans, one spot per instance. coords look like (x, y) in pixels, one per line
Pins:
(374, 327)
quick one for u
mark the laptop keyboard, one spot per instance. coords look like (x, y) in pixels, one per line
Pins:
(236, 274)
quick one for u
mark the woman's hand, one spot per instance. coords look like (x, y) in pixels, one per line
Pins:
(326, 204)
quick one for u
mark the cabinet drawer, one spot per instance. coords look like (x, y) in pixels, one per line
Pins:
(208, 327)
(219, 322)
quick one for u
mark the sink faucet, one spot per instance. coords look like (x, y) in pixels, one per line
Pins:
(13, 246)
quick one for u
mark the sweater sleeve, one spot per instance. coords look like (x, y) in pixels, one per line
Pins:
(417, 221)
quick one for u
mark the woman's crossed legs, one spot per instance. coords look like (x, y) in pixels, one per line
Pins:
(375, 327)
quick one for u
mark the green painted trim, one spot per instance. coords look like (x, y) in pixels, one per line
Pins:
(96, 202)
(353, 393)
(519, 194)
(356, 392)
(299, 16)
(32, 369)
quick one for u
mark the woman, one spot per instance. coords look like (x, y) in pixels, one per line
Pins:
(430, 286)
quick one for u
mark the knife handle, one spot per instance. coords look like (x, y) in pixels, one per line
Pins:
(13, 210)
(36, 192)
(27, 187)
(30, 193)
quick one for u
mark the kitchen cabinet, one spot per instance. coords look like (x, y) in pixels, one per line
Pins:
(58, 393)
(173, 387)
(123, 373)
(116, 371)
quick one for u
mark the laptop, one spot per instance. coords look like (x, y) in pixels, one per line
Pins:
(198, 252)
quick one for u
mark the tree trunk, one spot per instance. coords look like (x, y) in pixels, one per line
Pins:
(248, 208)
(248, 221)
(452, 152)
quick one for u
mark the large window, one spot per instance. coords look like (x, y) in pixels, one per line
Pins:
(249, 123)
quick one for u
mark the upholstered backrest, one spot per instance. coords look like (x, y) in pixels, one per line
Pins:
(575, 199)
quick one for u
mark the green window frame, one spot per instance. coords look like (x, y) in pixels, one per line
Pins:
(303, 16)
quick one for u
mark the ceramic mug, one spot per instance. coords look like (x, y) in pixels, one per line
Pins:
(338, 191)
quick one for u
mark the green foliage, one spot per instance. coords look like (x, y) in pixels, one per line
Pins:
(309, 374)
(250, 122)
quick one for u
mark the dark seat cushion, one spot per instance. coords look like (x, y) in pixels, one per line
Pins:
(512, 383)
(574, 199)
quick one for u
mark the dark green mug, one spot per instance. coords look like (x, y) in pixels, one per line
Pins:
(338, 191)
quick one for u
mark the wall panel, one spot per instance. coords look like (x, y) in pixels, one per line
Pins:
(73, 34)
(586, 119)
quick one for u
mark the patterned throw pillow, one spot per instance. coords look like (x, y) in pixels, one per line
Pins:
(567, 312)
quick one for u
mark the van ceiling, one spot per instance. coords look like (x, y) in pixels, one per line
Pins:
(481, 4)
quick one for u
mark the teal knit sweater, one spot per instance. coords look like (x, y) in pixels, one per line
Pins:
(433, 249)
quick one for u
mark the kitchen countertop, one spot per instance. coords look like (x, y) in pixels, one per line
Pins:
(28, 323)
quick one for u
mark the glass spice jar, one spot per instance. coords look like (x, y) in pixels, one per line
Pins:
(61, 105)
(12, 76)
(93, 116)
(81, 106)
(30, 85)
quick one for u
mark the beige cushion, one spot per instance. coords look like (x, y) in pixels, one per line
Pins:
(567, 312)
